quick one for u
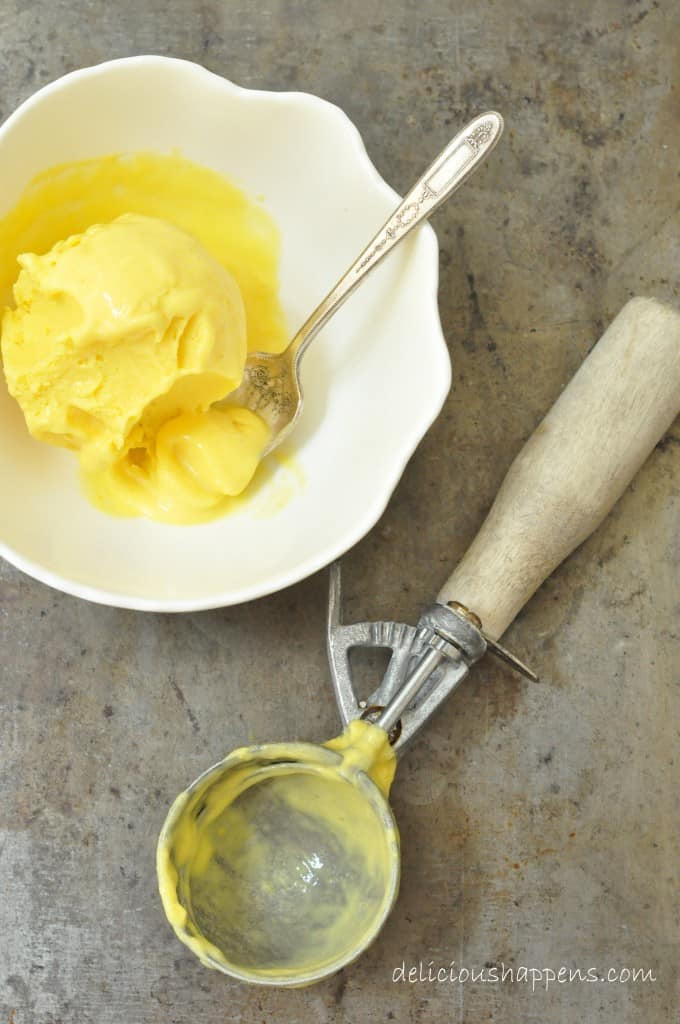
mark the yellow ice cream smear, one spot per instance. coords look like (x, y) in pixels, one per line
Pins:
(144, 281)
(284, 863)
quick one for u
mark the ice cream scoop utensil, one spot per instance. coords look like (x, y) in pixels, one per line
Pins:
(271, 384)
(562, 484)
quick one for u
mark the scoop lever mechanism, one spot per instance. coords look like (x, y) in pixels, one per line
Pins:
(428, 662)
(558, 490)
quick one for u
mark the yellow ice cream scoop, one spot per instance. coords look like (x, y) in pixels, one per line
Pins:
(121, 339)
(280, 864)
(115, 328)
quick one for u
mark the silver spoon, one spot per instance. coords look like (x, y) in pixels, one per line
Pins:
(271, 384)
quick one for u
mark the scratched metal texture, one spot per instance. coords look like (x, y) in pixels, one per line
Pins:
(539, 822)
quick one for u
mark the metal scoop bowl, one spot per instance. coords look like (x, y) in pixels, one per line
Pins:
(271, 385)
(280, 864)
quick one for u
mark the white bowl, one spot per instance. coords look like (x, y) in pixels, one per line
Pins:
(374, 380)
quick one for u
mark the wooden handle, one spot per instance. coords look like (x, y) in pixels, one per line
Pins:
(576, 464)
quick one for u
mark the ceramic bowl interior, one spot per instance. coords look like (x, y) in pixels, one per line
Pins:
(375, 379)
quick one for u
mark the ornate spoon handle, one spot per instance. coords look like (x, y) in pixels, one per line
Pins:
(450, 169)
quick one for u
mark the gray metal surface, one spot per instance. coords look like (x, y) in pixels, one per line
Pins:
(539, 821)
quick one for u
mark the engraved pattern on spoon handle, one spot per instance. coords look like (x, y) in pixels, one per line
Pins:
(447, 173)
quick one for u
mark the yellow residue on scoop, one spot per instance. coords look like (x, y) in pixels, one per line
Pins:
(364, 747)
(280, 864)
(144, 281)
